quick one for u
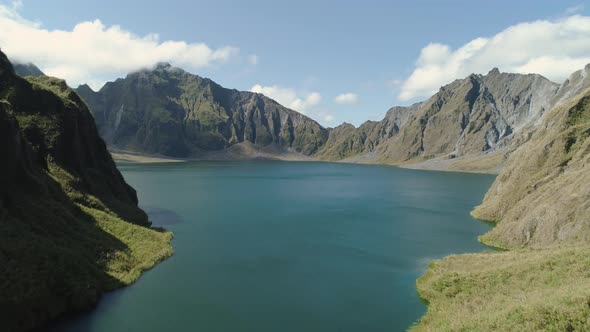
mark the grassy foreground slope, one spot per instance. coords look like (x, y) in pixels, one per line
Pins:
(70, 227)
(541, 203)
(522, 290)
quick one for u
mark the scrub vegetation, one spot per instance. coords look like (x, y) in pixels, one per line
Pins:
(541, 204)
(70, 227)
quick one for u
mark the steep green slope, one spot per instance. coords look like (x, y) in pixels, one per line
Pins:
(171, 112)
(540, 197)
(541, 203)
(70, 228)
(523, 290)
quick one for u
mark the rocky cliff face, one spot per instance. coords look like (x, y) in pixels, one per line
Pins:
(70, 228)
(171, 112)
(470, 124)
(346, 141)
(541, 204)
(576, 83)
(541, 197)
(471, 116)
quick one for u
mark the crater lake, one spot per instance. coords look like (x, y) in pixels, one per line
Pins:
(290, 246)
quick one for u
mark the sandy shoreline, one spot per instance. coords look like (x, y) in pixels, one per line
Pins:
(488, 164)
(120, 156)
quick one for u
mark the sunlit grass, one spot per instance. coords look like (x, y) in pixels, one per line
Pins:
(521, 290)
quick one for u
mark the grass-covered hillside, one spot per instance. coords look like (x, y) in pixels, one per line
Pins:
(543, 195)
(522, 290)
(541, 203)
(70, 228)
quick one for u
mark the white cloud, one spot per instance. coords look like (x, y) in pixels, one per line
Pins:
(92, 52)
(308, 103)
(347, 98)
(253, 59)
(553, 48)
(329, 118)
(288, 97)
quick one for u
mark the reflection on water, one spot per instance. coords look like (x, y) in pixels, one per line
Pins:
(162, 217)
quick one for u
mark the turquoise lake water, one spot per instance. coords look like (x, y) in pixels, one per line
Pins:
(290, 246)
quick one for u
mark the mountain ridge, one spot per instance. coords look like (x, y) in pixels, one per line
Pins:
(70, 226)
(168, 111)
(537, 200)
(540, 203)
(471, 124)
(541, 128)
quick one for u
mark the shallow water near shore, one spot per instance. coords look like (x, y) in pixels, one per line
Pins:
(290, 246)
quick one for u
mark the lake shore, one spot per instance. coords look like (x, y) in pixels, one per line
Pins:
(489, 164)
(329, 240)
(134, 157)
(523, 289)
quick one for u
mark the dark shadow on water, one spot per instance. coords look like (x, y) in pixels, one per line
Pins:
(162, 217)
(82, 319)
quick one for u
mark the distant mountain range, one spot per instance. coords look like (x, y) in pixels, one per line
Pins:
(70, 227)
(471, 124)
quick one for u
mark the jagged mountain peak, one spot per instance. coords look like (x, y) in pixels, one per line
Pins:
(169, 111)
(85, 87)
(162, 69)
(494, 71)
(162, 65)
(343, 126)
(167, 67)
(470, 116)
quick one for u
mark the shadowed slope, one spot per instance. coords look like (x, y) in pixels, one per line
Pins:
(70, 228)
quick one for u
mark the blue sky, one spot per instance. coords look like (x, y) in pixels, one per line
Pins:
(309, 52)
